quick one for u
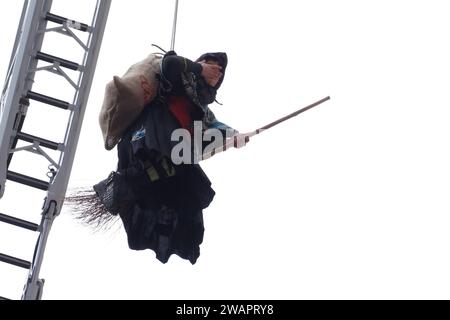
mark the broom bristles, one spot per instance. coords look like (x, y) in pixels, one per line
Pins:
(89, 210)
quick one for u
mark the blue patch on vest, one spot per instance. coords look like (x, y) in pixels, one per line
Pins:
(138, 135)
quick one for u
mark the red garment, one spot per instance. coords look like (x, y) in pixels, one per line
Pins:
(182, 109)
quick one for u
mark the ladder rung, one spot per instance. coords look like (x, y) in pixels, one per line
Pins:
(29, 181)
(58, 19)
(42, 142)
(62, 62)
(48, 100)
(15, 261)
(19, 222)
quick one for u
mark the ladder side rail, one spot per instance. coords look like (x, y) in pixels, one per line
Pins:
(21, 79)
(58, 186)
(17, 39)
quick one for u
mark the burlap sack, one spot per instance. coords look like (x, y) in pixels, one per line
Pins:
(126, 97)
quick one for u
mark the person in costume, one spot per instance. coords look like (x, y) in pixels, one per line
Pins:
(164, 210)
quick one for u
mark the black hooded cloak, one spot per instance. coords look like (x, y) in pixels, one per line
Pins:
(166, 214)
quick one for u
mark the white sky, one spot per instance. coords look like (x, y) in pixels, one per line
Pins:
(348, 201)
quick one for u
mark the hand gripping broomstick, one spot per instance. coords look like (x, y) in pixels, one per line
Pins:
(239, 139)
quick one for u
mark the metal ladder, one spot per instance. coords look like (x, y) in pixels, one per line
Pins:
(18, 96)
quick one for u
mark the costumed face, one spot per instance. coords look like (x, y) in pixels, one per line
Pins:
(212, 72)
(215, 63)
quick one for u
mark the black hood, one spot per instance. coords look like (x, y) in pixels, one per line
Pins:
(206, 93)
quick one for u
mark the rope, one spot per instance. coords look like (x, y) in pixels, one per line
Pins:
(174, 28)
(155, 45)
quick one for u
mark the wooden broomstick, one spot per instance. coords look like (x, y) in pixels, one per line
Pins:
(234, 142)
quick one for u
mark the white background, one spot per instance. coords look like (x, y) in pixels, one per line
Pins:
(347, 201)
